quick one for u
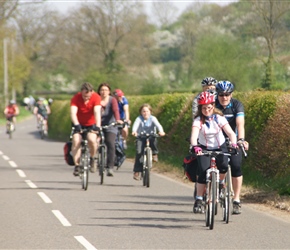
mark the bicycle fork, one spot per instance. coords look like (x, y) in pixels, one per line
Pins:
(212, 169)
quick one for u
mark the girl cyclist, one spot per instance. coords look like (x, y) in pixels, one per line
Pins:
(207, 128)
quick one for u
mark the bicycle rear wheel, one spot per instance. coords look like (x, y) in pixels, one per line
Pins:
(102, 163)
(212, 200)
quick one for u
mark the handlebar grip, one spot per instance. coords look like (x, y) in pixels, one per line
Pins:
(244, 151)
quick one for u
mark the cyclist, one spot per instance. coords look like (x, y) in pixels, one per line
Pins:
(207, 84)
(207, 128)
(11, 111)
(234, 113)
(145, 123)
(41, 109)
(110, 114)
(85, 112)
(124, 113)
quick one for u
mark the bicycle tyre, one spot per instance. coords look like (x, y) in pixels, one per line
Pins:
(212, 203)
(102, 163)
(227, 198)
(206, 212)
(148, 167)
(10, 130)
(144, 169)
(85, 179)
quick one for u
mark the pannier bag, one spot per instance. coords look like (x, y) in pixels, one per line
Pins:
(190, 166)
(67, 153)
(119, 155)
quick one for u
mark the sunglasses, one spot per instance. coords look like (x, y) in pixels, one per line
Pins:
(225, 94)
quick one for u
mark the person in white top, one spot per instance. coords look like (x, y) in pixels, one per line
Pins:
(207, 128)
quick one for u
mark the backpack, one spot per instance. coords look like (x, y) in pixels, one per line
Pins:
(120, 155)
(67, 153)
(190, 166)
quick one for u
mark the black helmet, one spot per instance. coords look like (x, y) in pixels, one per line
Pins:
(208, 81)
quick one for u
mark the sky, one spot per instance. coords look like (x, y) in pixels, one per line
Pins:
(65, 5)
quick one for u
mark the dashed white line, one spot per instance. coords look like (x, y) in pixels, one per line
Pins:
(44, 197)
(61, 218)
(20, 173)
(12, 164)
(1, 153)
(30, 184)
(5, 157)
(85, 243)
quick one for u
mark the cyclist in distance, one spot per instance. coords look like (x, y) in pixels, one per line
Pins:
(11, 111)
(41, 109)
(109, 114)
(124, 113)
(85, 112)
(207, 84)
(207, 133)
(145, 123)
(234, 113)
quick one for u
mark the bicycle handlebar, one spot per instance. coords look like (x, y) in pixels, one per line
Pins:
(241, 145)
(113, 124)
(143, 135)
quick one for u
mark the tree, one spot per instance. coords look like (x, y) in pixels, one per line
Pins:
(164, 12)
(266, 21)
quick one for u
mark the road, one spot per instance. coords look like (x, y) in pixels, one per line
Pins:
(43, 207)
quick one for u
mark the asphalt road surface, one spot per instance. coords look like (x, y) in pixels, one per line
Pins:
(44, 207)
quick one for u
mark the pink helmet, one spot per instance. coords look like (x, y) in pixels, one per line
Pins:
(118, 92)
(206, 98)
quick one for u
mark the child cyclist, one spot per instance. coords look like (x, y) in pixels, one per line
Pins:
(145, 123)
(207, 128)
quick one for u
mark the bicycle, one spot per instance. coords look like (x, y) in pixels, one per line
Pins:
(211, 196)
(147, 158)
(84, 159)
(227, 192)
(10, 126)
(41, 127)
(102, 152)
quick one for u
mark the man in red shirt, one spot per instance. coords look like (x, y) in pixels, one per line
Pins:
(11, 111)
(85, 111)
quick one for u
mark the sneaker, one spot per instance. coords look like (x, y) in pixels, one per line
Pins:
(136, 176)
(110, 172)
(155, 158)
(124, 144)
(76, 171)
(237, 207)
(93, 165)
(198, 207)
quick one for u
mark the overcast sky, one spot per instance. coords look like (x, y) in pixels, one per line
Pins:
(64, 5)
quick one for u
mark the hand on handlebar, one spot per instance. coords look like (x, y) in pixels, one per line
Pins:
(244, 144)
(161, 133)
(77, 128)
(95, 128)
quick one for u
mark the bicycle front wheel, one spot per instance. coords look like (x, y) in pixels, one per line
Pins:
(148, 167)
(144, 173)
(84, 172)
(212, 200)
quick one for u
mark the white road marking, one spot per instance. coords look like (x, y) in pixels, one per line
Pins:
(61, 218)
(12, 164)
(85, 243)
(5, 157)
(44, 197)
(20, 173)
(1, 153)
(30, 184)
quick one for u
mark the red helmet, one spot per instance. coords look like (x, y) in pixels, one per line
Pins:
(118, 92)
(206, 98)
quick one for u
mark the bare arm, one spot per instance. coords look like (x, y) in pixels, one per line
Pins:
(97, 114)
(240, 121)
(73, 115)
(230, 133)
(126, 110)
(194, 135)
